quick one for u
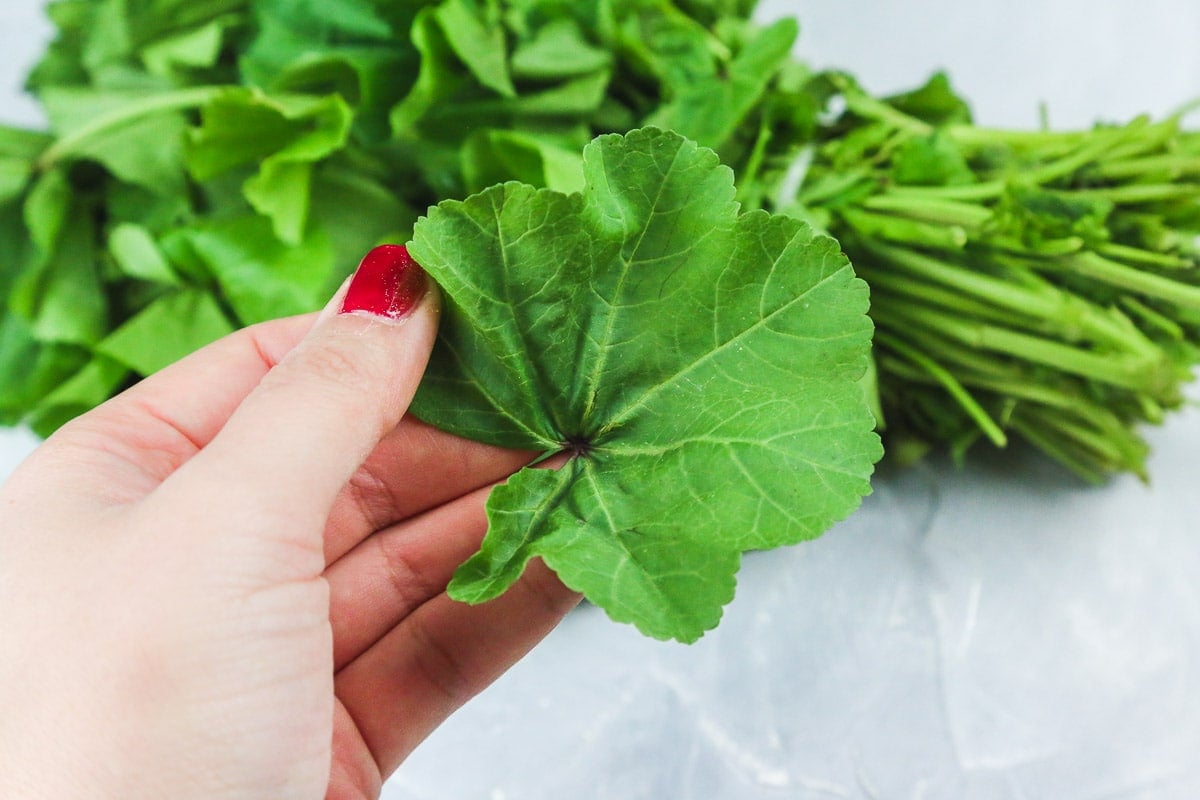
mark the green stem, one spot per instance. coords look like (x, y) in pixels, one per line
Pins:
(1008, 389)
(1066, 395)
(1047, 248)
(1152, 319)
(1052, 445)
(947, 381)
(1105, 446)
(1055, 409)
(1142, 192)
(715, 46)
(1018, 380)
(971, 192)
(1070, 427)
(826, 191)
(1139, 374)
(867, 106)
(750, 170)
(942, 211)
(1173, 165)
(67, 146)
(900, 288)
(975, 136)
(1101, 143)
(1144, 139)
(906, 230)
(1072, 316)
(1097, 267)
(966, 362)
(1138, 255)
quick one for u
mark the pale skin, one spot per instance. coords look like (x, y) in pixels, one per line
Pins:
(229, 581)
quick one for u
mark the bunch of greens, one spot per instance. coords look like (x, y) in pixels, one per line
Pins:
(214, 163)
(1037, 283)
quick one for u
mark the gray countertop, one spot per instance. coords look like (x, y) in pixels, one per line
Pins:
(998, 632)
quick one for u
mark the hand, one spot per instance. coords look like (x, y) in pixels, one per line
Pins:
(228, 581)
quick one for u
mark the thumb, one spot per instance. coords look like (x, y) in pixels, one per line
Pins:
(300, 435)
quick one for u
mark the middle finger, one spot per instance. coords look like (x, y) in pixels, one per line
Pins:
(415, 468)
(388, 575)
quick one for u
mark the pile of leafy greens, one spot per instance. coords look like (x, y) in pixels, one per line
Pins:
(674, 325)
(1031, 283)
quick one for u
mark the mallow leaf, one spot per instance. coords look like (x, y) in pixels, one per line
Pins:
(698, 368)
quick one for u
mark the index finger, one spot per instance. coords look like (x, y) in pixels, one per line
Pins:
(122, 450)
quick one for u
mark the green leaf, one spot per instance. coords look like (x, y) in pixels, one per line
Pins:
(138, 255)
(61, 294)
(472, 29)
(710, 110)
(111, 128)
(281, 192)
(87, 388)
(674, 50)
(19, 149)
(285, 135)
(17, 252)
(238, 127)
(30, 370)
(165, 331)
(261, 277)
(108, 38)
(711, 11)
(330, 20)
(933, 160)
(198, 47)
(559, 50)
(1034, 216)
(14, 175)
(496, 156)
(348, 49)
(127, 203)
(60, 64)
(46, 209)
(578, 96)
(438, 76)
(934, 102)
(292, 36)
(700, 368)
(356, 212)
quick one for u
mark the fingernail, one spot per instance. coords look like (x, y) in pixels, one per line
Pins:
(387, 283)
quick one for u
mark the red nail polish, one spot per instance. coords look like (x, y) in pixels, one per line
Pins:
(387, 283)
